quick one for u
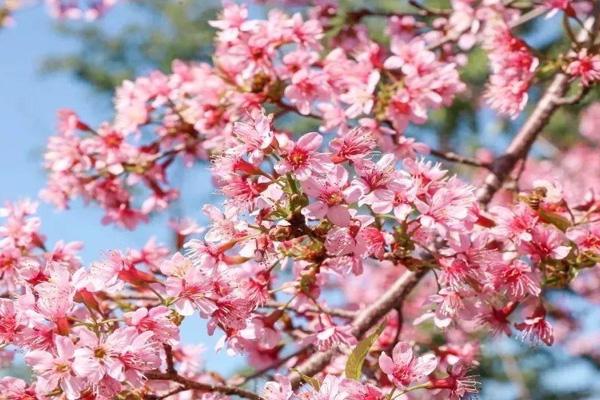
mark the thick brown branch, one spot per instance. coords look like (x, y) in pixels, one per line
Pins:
(364, 321)
(205, 387)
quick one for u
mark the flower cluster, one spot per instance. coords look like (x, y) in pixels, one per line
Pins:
(189, 114)
(512, 66)
(331, 250)
(85, 332)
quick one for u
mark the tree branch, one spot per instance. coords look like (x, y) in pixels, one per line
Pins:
(169, 357)
(364, 321)
(205, 387)
(457, 158)
(336, 312)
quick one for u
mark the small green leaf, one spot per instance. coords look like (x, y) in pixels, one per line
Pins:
(358, 355)
(555, 219)
(308, 379)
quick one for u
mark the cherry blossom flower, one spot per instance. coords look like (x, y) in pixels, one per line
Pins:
(56, 369)
(536, 328)
(256, 136)
(301, 158)
(328, 335)
(352, 145)
(155, 320)
(458, 382)
(280, 389)
(331, 389)
(332, 192)
(404, 368)
(307, 87)
(585, 66)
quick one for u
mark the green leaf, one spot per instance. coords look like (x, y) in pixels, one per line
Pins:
(309, 379)
(555, 219)
(358, 355)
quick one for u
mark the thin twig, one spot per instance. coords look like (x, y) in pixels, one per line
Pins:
(167, 395)
(205, 387)
(457, 158)
(575, 98)
(428, 10)
(336, 312)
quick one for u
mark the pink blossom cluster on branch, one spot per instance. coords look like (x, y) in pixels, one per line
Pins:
(427, 271)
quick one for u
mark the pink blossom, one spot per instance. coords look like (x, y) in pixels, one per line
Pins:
(585, 67)
(512, 68)
(352, 145)
(546, 242)
(330, 389)
(256, 134)
(374, 178)
(189, 286)
(79, 9)
(122, 355)
(307, 87)
(332, 193)
(404, 368)
(12, 322)
(517, 280)
(55, 369)
(459, 383)
(328, 335)
(280, 389)
(155, 320)
(302, 157)
(536, 328)
(14, 388)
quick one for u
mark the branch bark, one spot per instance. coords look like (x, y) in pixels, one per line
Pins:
(364, 321)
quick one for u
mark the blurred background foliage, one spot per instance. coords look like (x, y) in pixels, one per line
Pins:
(164, 30)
